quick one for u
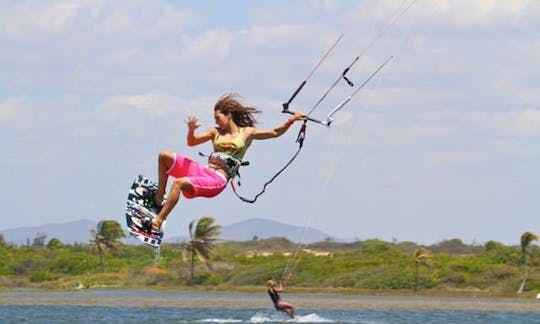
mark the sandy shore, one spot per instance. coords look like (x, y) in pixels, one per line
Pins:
(243, 300)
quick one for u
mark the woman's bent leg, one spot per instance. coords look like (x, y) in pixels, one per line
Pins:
(165, 161)
(179, 185)
(286, 308)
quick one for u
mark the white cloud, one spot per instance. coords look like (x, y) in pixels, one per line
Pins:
(150, 103)
(27, 19)
(524, 122)
(123, 56)
(95, 19)
(529, 96)
(9, 108)
(271, 35)
(211, 45)
(326, 4)
(116, 22)
(453, 158)
(142, 19)
(513, 147)
(480, 13)
(458, 98)
(157, 104)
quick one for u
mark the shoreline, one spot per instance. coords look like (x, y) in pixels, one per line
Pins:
(222, 299)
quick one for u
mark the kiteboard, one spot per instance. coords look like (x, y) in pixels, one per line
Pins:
(141, 206)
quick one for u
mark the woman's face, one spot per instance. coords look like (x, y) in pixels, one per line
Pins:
(222, 119)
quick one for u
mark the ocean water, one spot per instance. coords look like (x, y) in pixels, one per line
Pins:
(83, 307)
(101, 314)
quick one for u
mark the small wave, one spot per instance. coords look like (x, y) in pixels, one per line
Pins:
(266, 318)
(220, 320)
(311, 318)
(277, 317)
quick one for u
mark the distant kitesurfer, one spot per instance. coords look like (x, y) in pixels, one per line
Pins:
(231, 137)
(274, 290)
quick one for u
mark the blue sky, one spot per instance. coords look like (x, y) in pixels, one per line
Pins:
(443, 143)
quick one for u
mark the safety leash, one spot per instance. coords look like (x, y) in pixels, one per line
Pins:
(300, 140)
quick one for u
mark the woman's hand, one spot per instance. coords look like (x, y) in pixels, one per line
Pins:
(286, 279)
(192, 123)
(196, 139)
(298, 115)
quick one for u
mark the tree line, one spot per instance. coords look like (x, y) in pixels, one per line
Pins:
(203, 260)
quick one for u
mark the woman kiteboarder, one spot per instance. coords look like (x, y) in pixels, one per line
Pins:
(234, 132)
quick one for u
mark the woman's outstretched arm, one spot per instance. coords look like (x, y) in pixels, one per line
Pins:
(261, 134)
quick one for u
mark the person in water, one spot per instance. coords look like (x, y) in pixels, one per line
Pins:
(274, 290)
(234, 132)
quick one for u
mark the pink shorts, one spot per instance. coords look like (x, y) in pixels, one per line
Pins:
(206, 182)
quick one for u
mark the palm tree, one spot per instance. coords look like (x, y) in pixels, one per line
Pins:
(203, 233)
(54, 243)
(526, 239)
(420, 257)
(106, 238)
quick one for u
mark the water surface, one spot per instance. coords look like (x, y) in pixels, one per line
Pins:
(141, 306)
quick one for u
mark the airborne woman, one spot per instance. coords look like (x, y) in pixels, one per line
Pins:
(231, 137)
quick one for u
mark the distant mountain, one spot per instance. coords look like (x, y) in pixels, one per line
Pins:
(69, 233)
(79, 232)
(264, 228)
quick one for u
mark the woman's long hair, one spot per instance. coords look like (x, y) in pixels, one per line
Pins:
(242, 115)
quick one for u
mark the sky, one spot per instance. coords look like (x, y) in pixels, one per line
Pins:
(442, 143)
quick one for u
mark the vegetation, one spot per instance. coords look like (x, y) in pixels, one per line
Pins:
(105, 238)
(203, 234)
(448, 267)
(420, 258)
(526, 239)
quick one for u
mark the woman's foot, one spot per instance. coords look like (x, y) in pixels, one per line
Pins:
(149, 224)
(146, 223)
(156, 225)
(290, 313)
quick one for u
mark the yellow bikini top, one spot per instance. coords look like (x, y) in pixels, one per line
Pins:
(233, 146)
